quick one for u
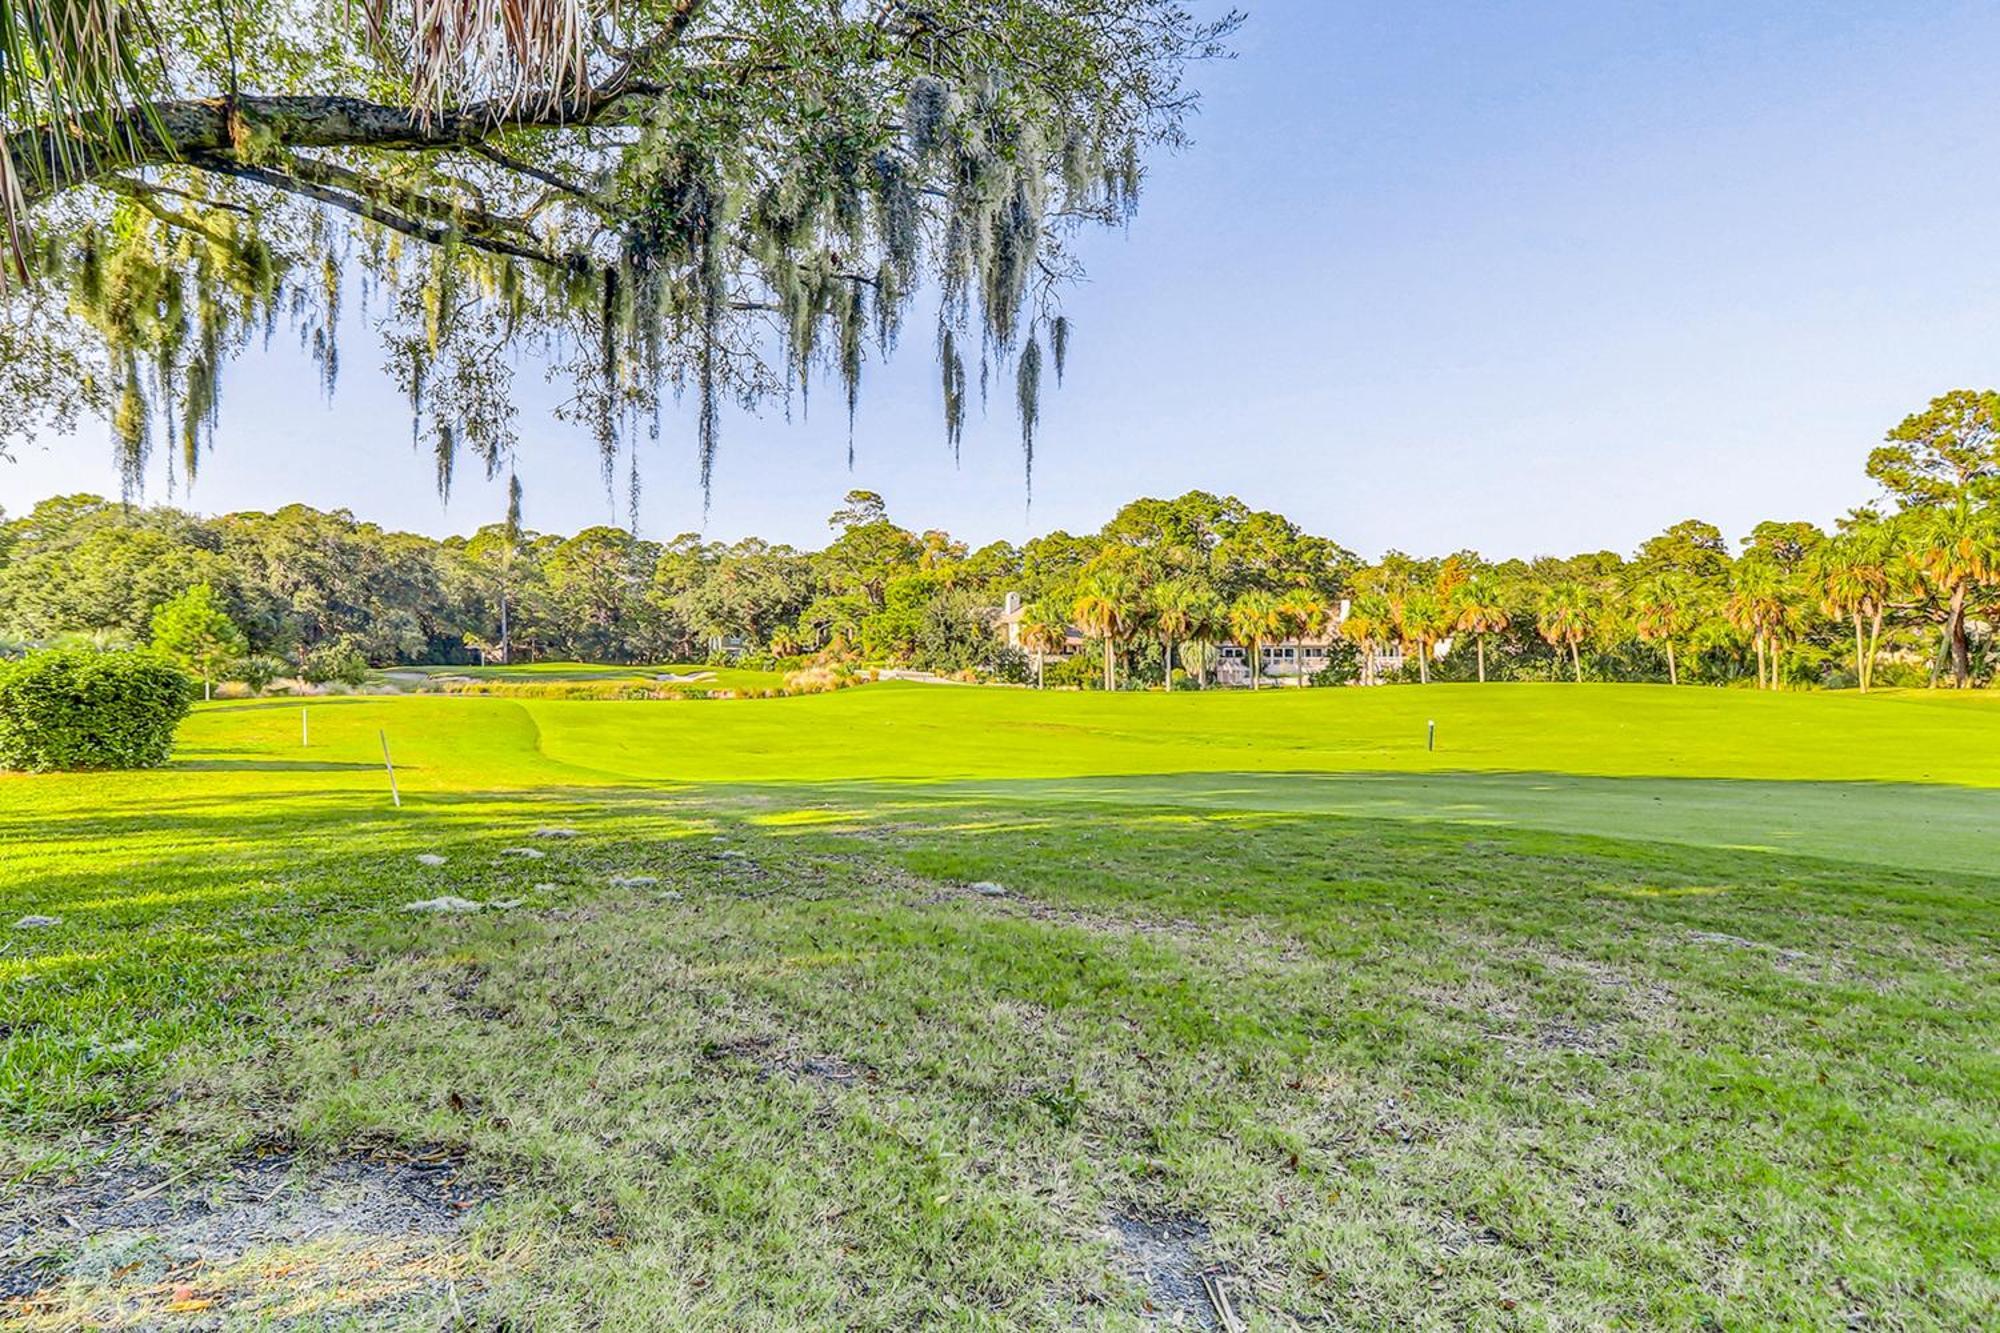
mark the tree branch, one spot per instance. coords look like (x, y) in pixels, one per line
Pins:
(434, 234)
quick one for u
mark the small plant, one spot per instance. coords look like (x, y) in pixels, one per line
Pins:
(258, 671)
(72, 708)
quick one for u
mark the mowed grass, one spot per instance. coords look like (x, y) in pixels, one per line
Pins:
(1624, 1006)
(530, 673)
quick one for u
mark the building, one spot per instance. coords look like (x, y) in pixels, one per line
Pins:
(1284, 663)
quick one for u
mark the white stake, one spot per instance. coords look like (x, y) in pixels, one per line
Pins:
(387, 763)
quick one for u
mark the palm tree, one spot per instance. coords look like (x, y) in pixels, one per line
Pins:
(1565, 620)
(1368, 621)
(1043, 631)
(1662, 611)
(1853, 576)
(1175, 606)
(1425, 619)
(1207, 623)
(1760, 605)
(1305, 614)
(1955, 548)
(1255, 619)
(1106, 609)
(1480, 612)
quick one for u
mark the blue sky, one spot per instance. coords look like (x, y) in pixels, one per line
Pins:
(1527, 278)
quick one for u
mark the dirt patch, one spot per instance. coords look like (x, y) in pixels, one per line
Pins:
(267, 1237)
(1162, 1257)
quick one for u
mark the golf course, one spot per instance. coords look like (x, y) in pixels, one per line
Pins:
(1522, 1005)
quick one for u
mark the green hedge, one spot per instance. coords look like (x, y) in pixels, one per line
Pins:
(73, 708)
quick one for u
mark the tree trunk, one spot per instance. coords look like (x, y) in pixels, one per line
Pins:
(506, 643)
(1874, 639)
(1039, 684)
(1423, 663)
(1254, 656)
(1673, 670)
(1167, 656)
(1479, 641)
(1576, 661)
(1760, 661)
(1961, 650)
(1860, 658)
(1110, 667)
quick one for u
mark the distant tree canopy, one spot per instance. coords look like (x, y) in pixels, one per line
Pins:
(720, 198)
(1913, 589)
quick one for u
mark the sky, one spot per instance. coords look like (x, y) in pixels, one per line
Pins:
(1531, 278)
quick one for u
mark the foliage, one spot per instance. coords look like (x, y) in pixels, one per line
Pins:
(725, 201)
(71, 708)
(194, 630)
(337, 662)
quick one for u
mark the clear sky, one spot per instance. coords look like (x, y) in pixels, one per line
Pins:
(1529, 278)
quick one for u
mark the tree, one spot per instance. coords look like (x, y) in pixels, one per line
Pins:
(1424, 619)
(1946, 453)
(1369, 621)
(1105, 609)
(1306, 615)
(1480, 612)
(195, 631)
(1663, 609)
(649, 185)
(1853, 576)
(1955, 548)
(1043, 630)
(1255, 619)
(1176, 605)
(1565, 619)
(1763, 604)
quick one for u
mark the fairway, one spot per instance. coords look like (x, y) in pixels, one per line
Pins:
(1623, 1005)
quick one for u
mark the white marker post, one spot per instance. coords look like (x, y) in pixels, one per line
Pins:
(389, 764)
(1431, 734)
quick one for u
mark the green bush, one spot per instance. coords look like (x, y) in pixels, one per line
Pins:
(71, 708)
(339, 662)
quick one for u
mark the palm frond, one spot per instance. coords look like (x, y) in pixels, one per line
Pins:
(518, 52)
(72, 65)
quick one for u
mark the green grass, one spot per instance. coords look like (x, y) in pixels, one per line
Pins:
(527, 673)
(1625, 1006)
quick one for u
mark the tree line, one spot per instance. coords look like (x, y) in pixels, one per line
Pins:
(1902, 591)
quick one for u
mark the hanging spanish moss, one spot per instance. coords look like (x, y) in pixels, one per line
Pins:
(1028, 401)
(725, 232)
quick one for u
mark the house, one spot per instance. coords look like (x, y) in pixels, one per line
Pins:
(1284, 662)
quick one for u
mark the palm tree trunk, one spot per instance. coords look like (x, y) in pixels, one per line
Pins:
(1760, 661)
(1110, 667)
(1167, 656)
(1038, 670)
(1255, 657)
(1576, 661)
(1673, 670)
(1961, 652)
(1479, 640)
(1860, 665)
(1874, 638)
(1423, 662)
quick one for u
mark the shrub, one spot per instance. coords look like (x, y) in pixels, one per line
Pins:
(71, 709)
(258, 671)
(337, 662)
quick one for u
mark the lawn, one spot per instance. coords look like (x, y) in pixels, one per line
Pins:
(543, 673)
(1622, 1006)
